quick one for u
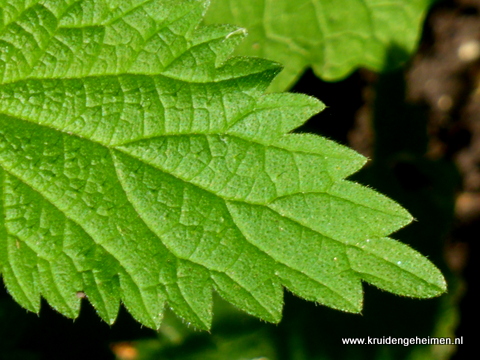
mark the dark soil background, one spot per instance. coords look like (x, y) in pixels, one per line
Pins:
(420, 126)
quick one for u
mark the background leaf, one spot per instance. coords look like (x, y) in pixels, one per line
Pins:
(332, 37)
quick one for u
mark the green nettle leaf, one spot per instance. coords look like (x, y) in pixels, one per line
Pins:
(139, 164)
(334, 37)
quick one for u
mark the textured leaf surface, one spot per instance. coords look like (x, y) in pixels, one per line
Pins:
(334, 37)
(139, 165)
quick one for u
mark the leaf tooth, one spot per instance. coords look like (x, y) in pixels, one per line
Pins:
(265, 302)
(307, 261)
(342, 292)
(104, 296)
(274, 116)
(58, 283)
(395, 267)
(146, 304)
(28, 300)
(192, 291)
